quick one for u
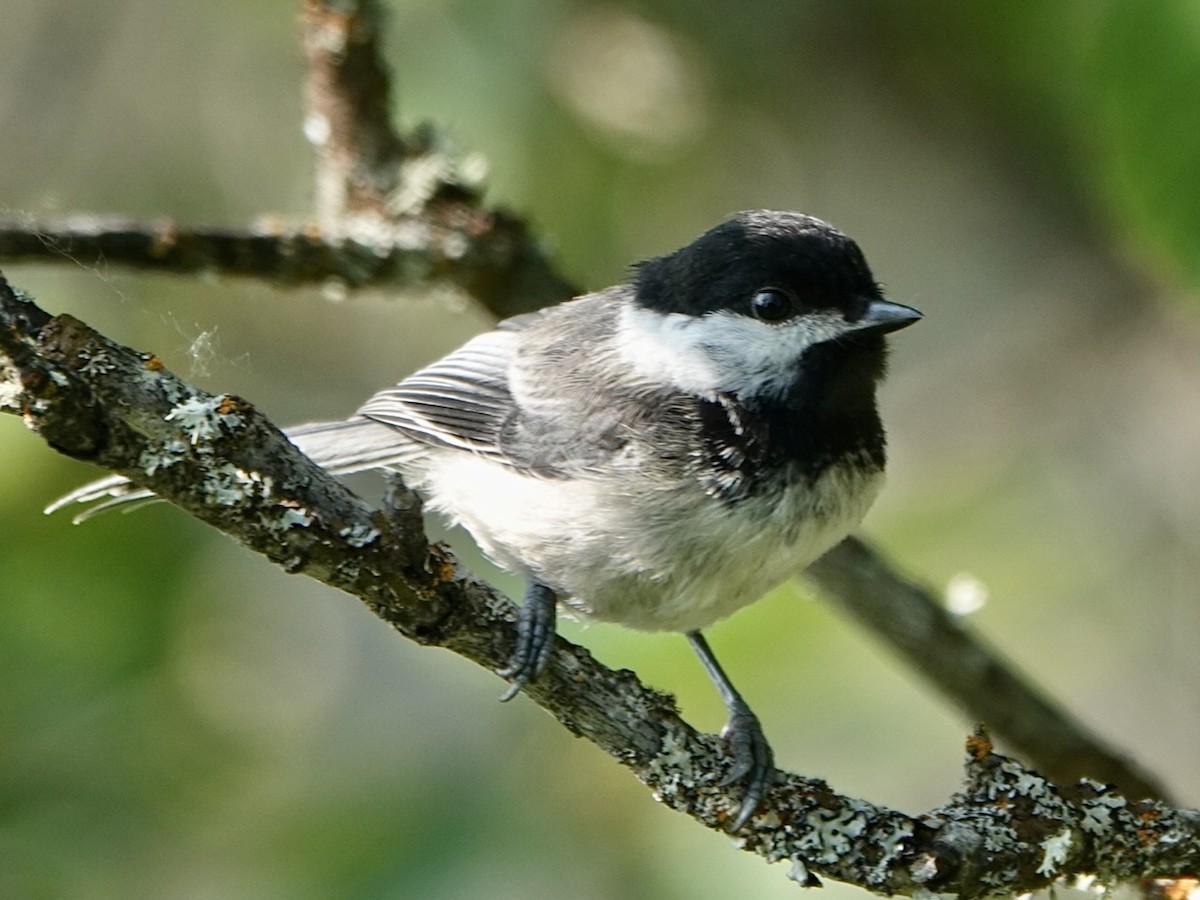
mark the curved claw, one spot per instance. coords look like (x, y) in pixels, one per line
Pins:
(753, 762)
(535, 639)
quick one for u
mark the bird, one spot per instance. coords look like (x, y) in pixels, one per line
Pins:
(660, 453)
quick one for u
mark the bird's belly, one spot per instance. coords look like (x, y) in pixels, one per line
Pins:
(647, 555)
(716, 559)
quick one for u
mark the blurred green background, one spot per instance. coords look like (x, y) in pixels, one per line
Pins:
(180, 719)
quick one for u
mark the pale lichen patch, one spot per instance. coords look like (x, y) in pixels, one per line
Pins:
(10, 387)
(201, 418)
(1098, 812)
(672, 770)
(229, 485)
(96, 363)
(798, 872)
(155, 459)
(359, 535)
(295, 517)
(1055, 850)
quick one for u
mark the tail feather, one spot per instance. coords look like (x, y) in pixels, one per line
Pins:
(117, 489)
(351, 445)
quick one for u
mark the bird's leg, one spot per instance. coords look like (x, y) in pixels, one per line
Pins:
(535, 638)
(753, 761)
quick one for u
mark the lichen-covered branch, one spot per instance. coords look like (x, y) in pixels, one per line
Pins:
(399, 210)
(218, 458)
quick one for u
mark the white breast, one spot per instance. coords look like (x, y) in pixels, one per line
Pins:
(652, 556)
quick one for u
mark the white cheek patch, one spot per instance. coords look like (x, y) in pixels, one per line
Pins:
(721, 351)
(665, 349)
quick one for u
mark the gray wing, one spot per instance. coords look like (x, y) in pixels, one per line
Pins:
(461, 401)
(526, 395)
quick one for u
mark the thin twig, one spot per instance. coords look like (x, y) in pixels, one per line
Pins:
(487, 253)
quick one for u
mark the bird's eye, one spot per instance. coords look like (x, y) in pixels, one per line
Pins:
(773, 305)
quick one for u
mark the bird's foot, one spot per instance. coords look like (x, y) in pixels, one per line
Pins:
(535, 639)
(753, 762)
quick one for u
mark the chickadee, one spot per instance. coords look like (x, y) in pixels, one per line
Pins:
(658, 454)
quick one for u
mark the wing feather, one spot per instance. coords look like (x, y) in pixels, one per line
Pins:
(460, 401)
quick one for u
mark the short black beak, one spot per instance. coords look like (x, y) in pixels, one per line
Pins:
(883, 316)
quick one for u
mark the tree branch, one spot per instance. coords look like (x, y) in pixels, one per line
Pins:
(348, 112)
(221, 460)
(397, 211)
(487, 253)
